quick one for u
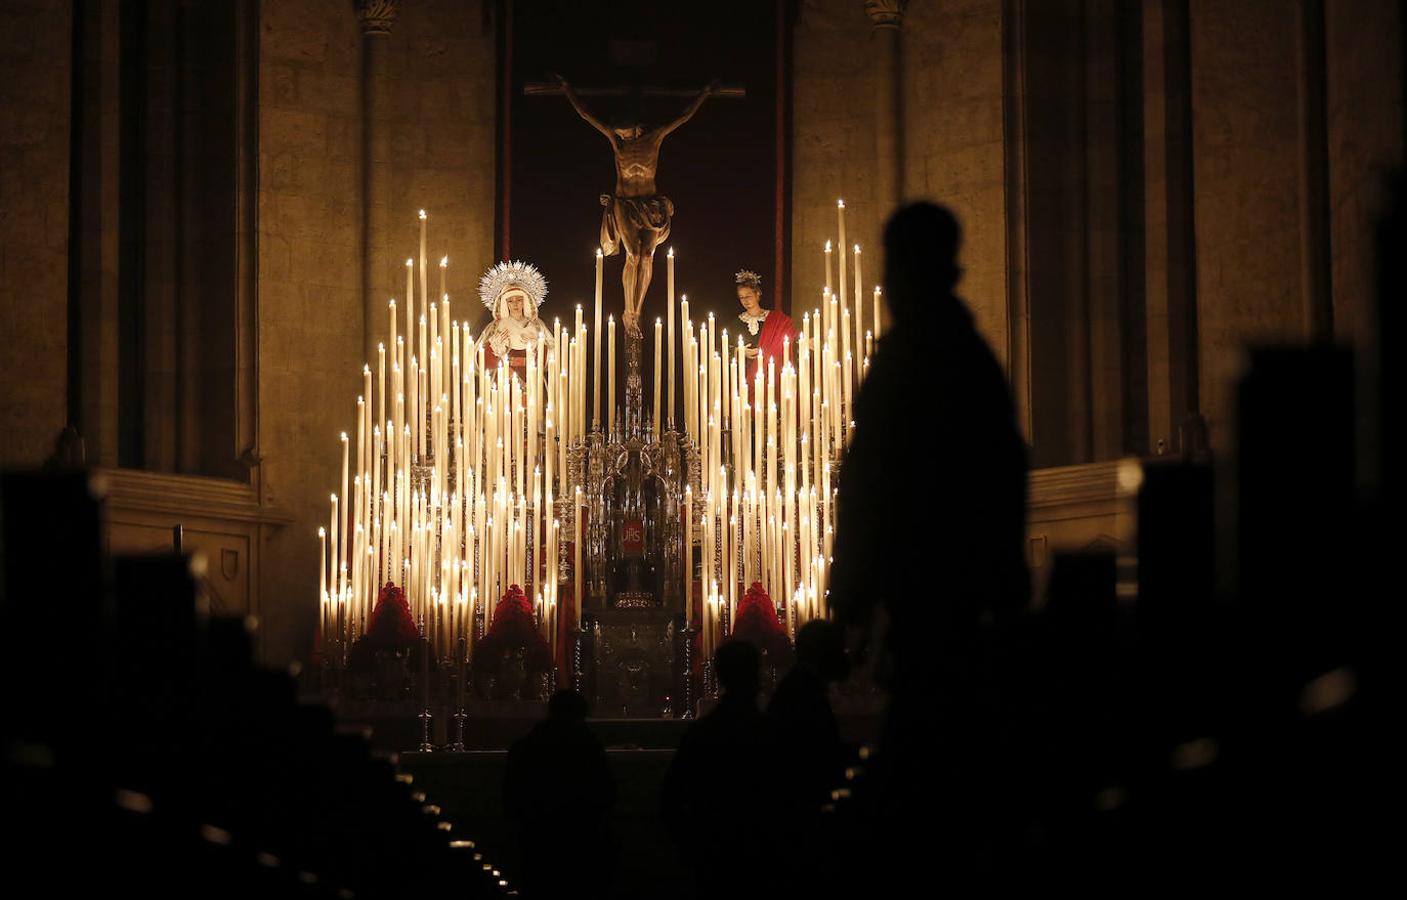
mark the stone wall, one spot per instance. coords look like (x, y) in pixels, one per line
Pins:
(954, 146)
(309, 291)
(1365, 124)
(434, 150)
(36, 41)
(1247, 200)
(832, 144)
(953, 151)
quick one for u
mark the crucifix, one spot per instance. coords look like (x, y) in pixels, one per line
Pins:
(636, 218)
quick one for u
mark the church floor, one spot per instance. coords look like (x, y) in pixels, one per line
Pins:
(468, 787)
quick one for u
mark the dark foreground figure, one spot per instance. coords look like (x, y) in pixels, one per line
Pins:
(720, 798)
(560, 790)
(936, 563)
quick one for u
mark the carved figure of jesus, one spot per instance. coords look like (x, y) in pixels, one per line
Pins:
(635, 218)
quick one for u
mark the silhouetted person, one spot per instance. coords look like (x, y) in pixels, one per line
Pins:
(807, 734)
(559, 788)
(931, 530)
(719, 796)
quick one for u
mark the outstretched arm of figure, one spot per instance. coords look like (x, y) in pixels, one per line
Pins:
(708, 91)
(582, 111)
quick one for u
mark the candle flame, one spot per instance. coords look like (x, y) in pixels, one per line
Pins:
(444, 261)
(840, 203)
(410, 262)
(322, 532)
(422, 214)
(857, 248)
(828, 246)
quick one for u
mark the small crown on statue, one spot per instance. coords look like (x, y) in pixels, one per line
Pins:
(748, 278)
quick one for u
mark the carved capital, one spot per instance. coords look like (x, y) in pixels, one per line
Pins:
(886, 13)
(377, 16)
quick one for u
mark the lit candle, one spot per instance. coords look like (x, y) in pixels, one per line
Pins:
(391, 334)
(336, 549)
(687, 557)
(659, 363)
(611, 374)
(685, 335)
(840, 218)
(830, 281)
(425, 276)
(878, 328)
(576, 549)
(847, 373)
(345, 529)
(670, 305)
(596, 393)
(410, 302)
(322, 568)
(859, 305)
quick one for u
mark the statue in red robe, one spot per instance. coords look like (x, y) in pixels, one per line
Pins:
(765, 333)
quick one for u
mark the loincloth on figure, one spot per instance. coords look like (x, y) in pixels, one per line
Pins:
(651, 215)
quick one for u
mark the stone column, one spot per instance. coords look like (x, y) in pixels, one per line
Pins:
(887, 17)
(376, 17)
(1170, 289)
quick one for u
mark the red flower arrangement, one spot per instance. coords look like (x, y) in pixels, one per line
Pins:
(757, 623)
(390, 629)
(513, 628)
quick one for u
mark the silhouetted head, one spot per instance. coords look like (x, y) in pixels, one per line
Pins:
(739, 667)
(820, 647)
(567, 705)
(921, 245)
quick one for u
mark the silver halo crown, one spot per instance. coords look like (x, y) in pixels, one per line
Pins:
(501, 277)
(748, 278)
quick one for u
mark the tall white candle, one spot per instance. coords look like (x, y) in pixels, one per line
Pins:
(410, 304)
(424, 276)
(670, 336)
(596, 393)
(859, 316)
(840, 218)
(611, 374)
(688, 555)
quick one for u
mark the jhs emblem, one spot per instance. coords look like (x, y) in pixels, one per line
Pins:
(634, 537)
